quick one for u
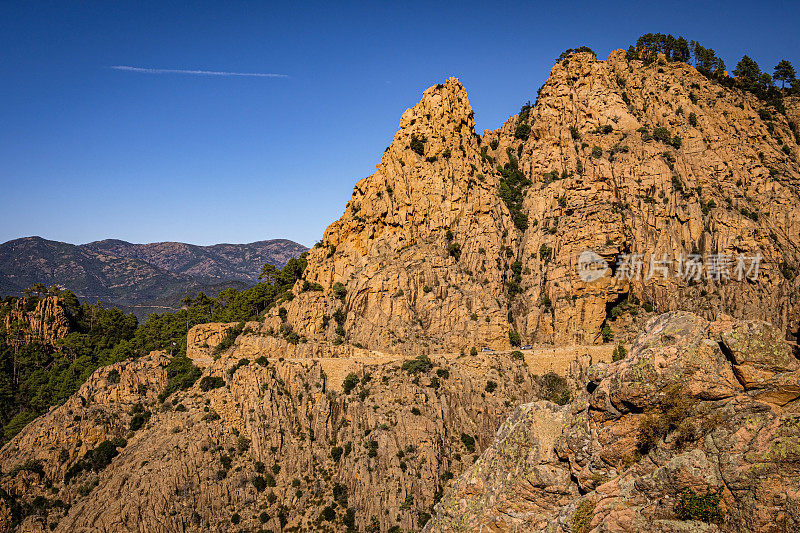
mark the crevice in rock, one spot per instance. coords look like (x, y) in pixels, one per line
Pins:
(729, 356)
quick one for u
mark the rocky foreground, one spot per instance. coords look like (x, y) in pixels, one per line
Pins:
(698, 429)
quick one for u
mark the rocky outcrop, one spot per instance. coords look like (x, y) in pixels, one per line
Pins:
(667, 439)
(28, 320)
(262, 441)
(630, 161)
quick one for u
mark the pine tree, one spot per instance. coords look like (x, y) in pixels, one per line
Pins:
(747, 71)
(784, 71)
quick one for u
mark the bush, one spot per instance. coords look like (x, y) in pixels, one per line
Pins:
(350, 383)
(454, 249)
(663, 135)
(336, 453)
(514, 338)
(597, 152)
(606, 333)
(553, 387)
(417, 144)
(328, 513)
(181, 374)
(469, 442)
(95, 459)
(675, 406)
(619, 353)
(339, 290)
(113, 376)
(138, 420)
(517, 355)
(522, 131)
(259, 483)
(704, 508)
(473, 351)
(230, 337)
(692, 119)
(421, 363)
(211, 382)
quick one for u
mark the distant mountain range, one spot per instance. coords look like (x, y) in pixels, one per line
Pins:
(138, 278)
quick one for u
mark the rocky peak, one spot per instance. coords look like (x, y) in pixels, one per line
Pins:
(442, 120)
(458, 240)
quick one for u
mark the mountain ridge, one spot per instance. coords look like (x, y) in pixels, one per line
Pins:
(137, 277)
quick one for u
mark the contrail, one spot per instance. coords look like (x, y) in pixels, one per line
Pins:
(197, 72)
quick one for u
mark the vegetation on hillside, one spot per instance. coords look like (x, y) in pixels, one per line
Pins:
(35, 376)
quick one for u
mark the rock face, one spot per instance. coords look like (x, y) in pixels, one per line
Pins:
(669, 420)
(627, 160)
(45, 323)
(279, 437)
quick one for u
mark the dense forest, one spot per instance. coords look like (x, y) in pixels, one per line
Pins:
(35, 376)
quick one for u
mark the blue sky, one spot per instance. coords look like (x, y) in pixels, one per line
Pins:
(89, 152)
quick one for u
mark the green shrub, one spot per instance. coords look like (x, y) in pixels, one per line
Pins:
(211, 382)
(517, 355)
(597, 152)
(663, 135)
(339, 290)
(554, 388)
(181, 374)
(421, 363)
(259, 483)
(113, 376)
(522, 131)
(418, 144)
(473, 351)
(230, 337)
(704, 508)
(139, 419)
(328, 513)
(469, 442)
(95, 459)
(454, 249)
(336, 453)
(350, 383)
(545, 253)
(514, 338)
(619, 353)
(606, 333)
(693, 119)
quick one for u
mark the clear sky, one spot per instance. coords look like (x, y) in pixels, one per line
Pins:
(89, 152)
